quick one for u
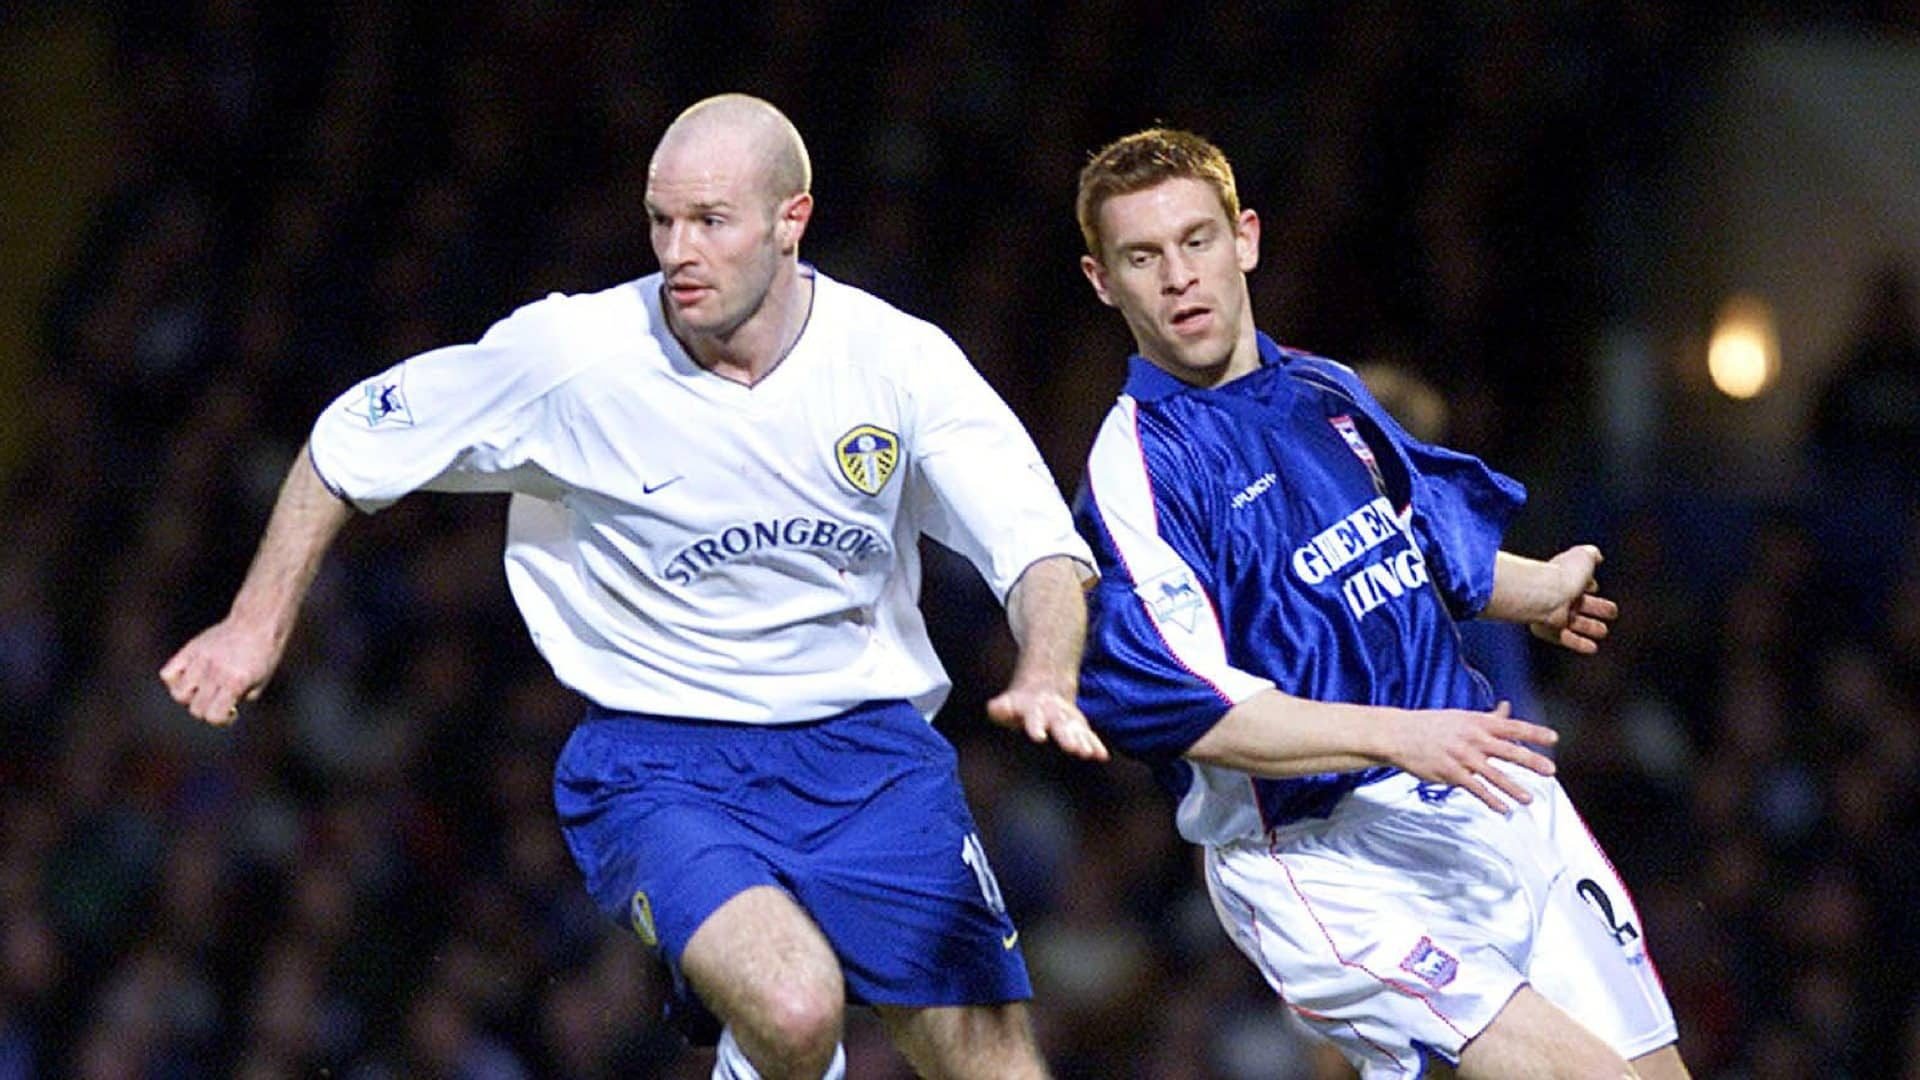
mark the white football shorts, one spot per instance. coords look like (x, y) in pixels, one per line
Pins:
(1402, 924)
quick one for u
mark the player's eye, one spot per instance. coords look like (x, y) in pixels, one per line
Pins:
(1139, 259)
(713, 221)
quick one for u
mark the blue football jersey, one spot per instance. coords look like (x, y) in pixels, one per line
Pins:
(1280, 530)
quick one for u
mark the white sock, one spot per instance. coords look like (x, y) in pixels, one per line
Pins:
(730, 1063)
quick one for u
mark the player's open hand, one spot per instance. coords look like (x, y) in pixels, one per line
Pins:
(1462, 748)
(224, 665)
(1048, 715)
(1580, 619)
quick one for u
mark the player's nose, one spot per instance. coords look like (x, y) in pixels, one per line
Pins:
(1177, 272)
(672, 245)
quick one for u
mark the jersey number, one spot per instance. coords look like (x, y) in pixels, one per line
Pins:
(1623, 931)
(975, 856)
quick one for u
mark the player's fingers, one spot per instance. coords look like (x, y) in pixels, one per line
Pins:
(1521, 731)
(1000, 710)
(1477, 787)
(1079, 739)
(1503, 709)
(1587, 626)
(1512, 787)
(1099, 747)
(206, 705)
(1579, 643)
(182, 677)
(215, 697)
(1035, 721)
(1600, 607)
(1525, 758)
(1026, 713)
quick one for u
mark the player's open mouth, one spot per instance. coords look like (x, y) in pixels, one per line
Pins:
(1189, 320)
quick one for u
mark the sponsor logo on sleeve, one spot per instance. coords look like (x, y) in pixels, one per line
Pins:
(867, 456)
(1173, 597)
(382, 401)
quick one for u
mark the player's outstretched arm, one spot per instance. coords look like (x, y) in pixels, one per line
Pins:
(231, 661)
(1557, 599)
(1047, 610)
(1275, 734)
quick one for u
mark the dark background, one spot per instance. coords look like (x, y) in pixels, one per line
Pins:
(220, 214)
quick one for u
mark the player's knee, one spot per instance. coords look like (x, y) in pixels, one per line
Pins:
(803, 1021)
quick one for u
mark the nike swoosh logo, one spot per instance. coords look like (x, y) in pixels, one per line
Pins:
(648, 489)
(1008, 941)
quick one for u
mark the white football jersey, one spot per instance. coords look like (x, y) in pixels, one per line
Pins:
(682, 544)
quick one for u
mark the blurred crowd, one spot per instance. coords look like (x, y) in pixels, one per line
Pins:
(363, 878)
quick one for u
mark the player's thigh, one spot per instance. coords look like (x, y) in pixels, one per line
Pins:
(760, 962)
(1533, 1037)
(966, 1042)
(1590, 953)
(1395, 936)
(1662, 1064)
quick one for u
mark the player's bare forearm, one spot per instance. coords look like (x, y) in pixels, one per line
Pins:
(306, 518)
(1556, 599)
(232, 660)
(1047, 611)
(1277, 735)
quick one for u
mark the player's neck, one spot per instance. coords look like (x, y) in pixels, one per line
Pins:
(1244, 359)
(756, 347)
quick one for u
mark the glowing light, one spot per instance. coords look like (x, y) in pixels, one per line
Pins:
(1743, 357)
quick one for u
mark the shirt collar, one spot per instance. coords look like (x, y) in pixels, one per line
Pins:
(1147, 382)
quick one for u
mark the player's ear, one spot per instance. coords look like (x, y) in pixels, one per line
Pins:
(1246, 240)
(791, 223)
(1097, 277)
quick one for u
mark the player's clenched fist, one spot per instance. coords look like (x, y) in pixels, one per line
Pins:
(225, 664)
(1578, 617)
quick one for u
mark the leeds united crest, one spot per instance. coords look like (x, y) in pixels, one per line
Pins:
(867, 457)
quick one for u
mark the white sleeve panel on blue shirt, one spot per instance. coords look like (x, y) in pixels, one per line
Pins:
(1156, 676)
(449, 419)
(992, 498)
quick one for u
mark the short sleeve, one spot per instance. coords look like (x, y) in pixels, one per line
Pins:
(1461, 511)
(455, 418)
(1156, 675)
(1461, 506)
(987, 493)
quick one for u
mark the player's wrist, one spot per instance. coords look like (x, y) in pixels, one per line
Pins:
(1380, 734)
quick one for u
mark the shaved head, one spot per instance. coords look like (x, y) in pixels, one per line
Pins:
(728, 204)
(743, 135)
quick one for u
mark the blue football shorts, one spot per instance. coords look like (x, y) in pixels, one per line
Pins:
(860, 817)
